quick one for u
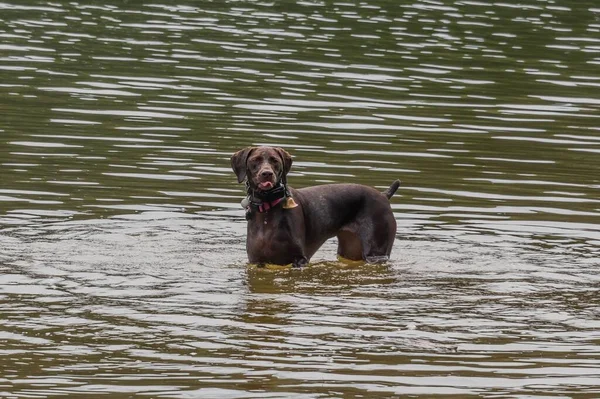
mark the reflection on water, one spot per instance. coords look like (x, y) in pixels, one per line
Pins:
(123, 239)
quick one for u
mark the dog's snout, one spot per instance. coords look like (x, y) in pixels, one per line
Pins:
(266, 174)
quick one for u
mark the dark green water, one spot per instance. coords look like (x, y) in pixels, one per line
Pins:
(122, 253)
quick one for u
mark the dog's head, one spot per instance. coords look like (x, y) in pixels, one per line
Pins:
(264, 167)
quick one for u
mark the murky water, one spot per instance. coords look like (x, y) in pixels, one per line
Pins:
(122, 254)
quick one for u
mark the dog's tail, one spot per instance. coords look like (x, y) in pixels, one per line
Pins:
(392, 189)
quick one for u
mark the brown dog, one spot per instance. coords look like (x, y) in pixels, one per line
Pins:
(288, 226)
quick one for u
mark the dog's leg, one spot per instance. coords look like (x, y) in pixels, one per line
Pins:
(300, 262)
(378, 239)
(349, 244)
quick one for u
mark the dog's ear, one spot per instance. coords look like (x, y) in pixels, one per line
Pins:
(286, 158)
(238, 162)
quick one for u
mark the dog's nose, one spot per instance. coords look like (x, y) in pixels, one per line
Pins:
(267, 174)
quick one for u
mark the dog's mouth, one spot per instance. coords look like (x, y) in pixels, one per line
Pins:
(265, 185)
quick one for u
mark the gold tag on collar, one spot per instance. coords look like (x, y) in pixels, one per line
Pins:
(289, 203)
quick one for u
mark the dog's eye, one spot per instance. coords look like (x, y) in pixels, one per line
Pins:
(255, 163)
(273, 161)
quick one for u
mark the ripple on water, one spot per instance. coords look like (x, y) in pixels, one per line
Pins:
(123, 262)
(474, 315)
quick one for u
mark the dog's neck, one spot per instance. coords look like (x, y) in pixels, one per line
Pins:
(262, 201)
(278, 192)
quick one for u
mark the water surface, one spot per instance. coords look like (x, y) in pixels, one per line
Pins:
(122, 244)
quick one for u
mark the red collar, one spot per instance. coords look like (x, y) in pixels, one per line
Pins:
(265, 206)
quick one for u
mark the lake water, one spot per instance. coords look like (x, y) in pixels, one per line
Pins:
(122, 257)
